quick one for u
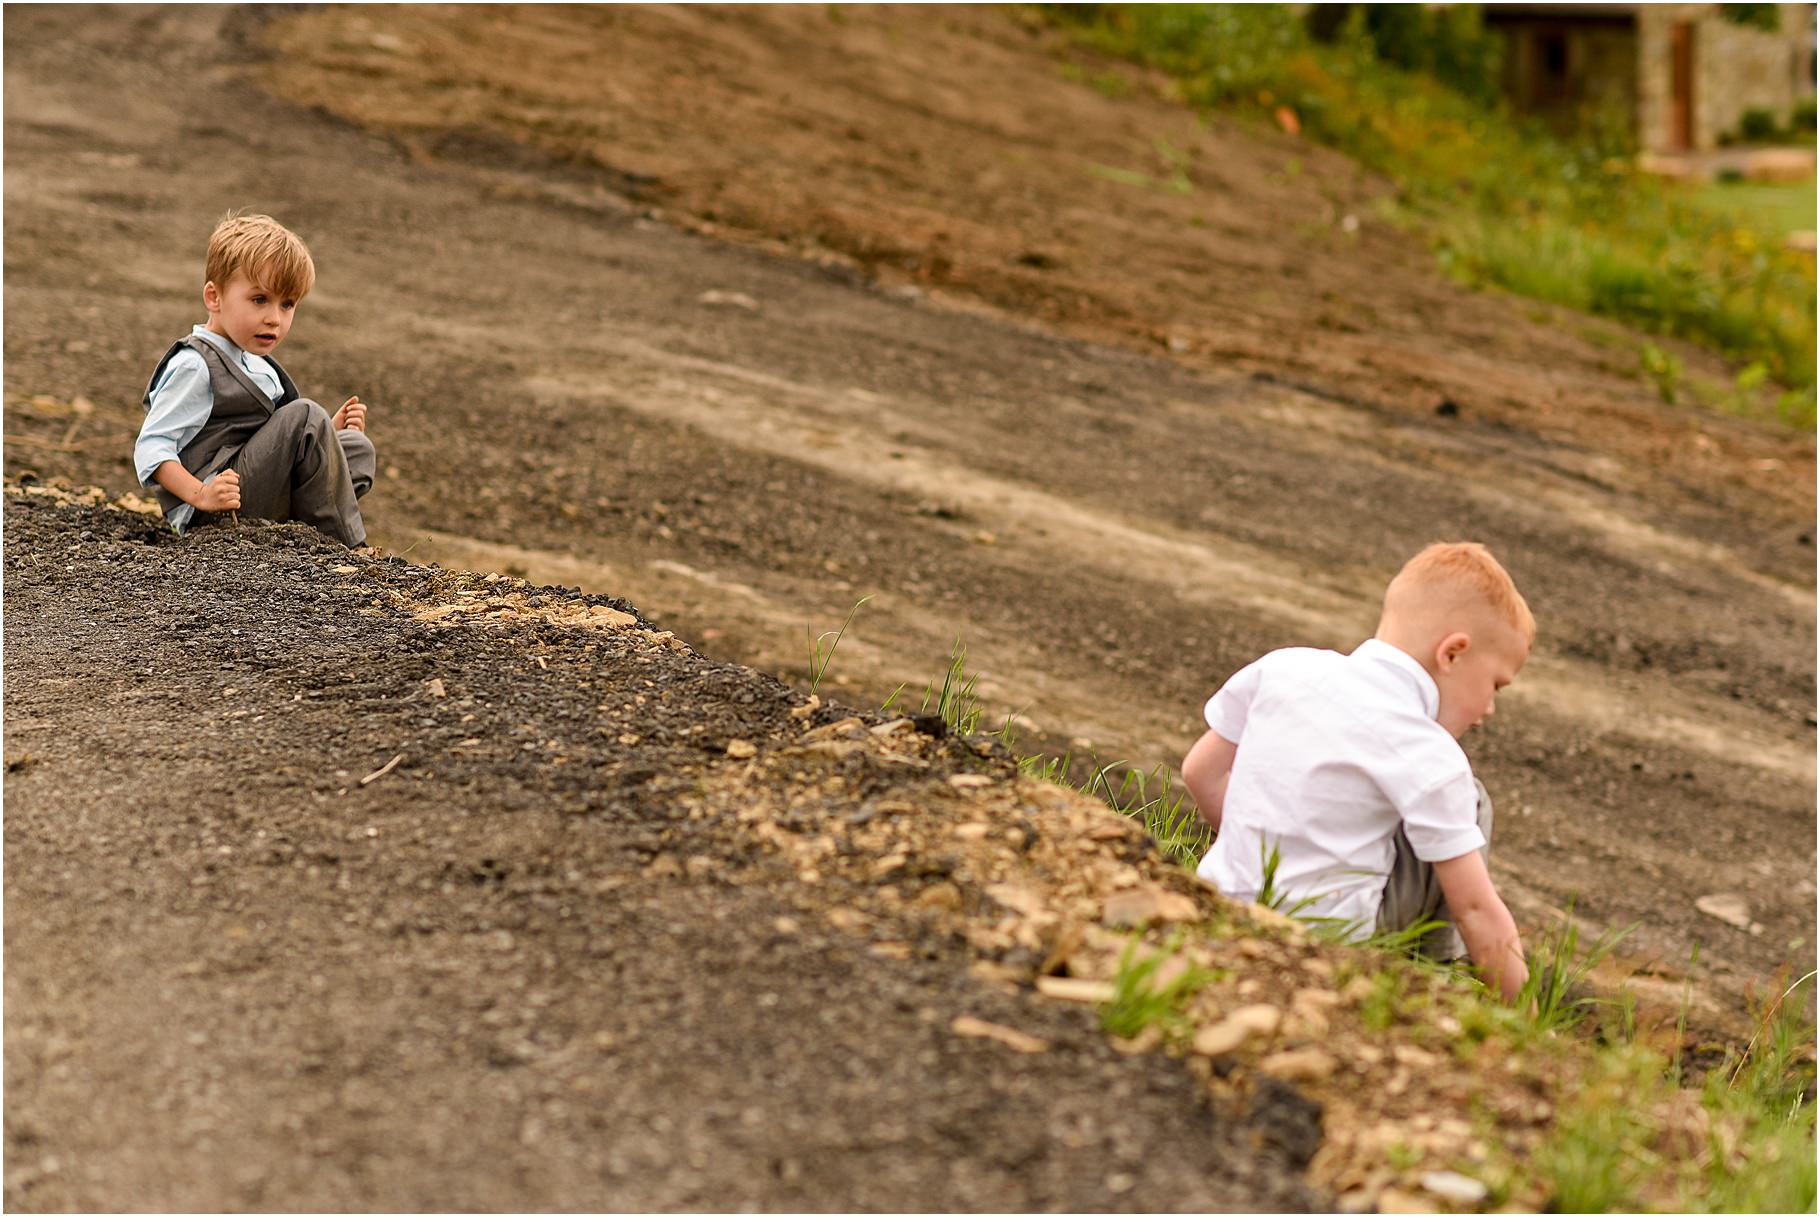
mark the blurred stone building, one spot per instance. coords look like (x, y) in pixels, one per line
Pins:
(1680, 76)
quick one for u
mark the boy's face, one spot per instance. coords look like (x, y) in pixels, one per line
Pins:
(1470, 671)
(251, 316)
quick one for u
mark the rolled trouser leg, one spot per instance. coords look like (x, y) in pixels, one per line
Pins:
(363, 461)
(293, 468)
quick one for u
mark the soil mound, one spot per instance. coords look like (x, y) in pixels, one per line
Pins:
(332, 878)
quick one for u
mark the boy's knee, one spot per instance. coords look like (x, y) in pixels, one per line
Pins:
(305, 415)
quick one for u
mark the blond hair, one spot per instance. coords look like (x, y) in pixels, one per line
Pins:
(1459, 575)
(264, 250)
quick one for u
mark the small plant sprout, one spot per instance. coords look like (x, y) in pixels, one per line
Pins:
(956, 703)
(1152, 990)
(821, 650)
(1553, 994)
(1661, 369)
(1771, 1068)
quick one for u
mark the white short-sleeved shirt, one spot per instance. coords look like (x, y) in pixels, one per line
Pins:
(1335, 752)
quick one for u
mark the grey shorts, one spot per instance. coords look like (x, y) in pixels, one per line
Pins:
(1413, 893)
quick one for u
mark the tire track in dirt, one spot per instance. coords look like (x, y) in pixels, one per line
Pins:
(863, 437)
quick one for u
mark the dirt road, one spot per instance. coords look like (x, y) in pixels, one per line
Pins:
(744, 442)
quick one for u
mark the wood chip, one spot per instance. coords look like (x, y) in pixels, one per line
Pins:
(1070, 988)
(382, 770)
(1017, 1041)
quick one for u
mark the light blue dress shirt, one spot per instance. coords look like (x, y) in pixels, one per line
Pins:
(181, 402)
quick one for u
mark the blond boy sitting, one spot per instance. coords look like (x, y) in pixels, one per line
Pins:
(225, 429)
(1348, 767)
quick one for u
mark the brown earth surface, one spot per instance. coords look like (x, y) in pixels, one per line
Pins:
(744, 439)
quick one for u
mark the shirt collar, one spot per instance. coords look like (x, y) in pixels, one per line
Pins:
(221, 340)
(1376, 650)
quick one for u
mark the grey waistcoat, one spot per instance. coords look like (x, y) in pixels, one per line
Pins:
(240, 408)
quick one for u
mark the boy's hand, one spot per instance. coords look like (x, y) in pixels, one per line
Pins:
(353, 413)
(219, 493)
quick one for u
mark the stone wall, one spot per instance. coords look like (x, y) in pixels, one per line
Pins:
(1735, 68)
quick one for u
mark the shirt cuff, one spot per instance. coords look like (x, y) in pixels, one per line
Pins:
(1222, 721)
(147, 461)
(1444, 847)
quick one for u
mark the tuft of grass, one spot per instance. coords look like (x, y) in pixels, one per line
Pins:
(1140, 999)
(956, 702)
(1555, 994)
(821, 650)
(1775, 1072)
(1596, 1156)
(1153, 799)
(1270, 858)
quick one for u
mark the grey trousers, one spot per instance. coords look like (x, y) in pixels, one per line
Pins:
(298, 467)
(1413, 894)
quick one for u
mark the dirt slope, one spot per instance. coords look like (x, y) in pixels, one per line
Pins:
(744, 444)
(531, 965)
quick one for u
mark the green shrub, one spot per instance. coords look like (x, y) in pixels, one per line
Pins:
(1757, 126)
(1506, 203)
(1448, 42)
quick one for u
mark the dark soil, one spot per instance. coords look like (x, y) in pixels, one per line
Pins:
(1111, 529)
(239, 978)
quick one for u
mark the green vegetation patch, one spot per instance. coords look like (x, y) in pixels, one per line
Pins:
(1631, 1131)
(1505, 202)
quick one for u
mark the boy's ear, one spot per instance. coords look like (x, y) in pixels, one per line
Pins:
(211, 297)
(1450, 648)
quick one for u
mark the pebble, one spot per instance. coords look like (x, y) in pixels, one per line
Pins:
(1140, 906)
(1237, 1027)
(1390, 1200)
(940, 896)
(969, 781)
(1454, 1187)
(600, 614)
(1726, 907)
(1299, 1065)
(740, 749)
